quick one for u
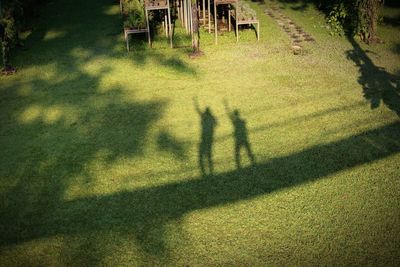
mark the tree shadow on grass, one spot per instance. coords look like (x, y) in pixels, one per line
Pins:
(54, 125)
(394, 22)
(392, 3)
(169, 143)
(144, 213)
(396, 48)
(379, 86)
(87, 31)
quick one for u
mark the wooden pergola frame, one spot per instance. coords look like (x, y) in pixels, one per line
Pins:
(167, 18)
(133, 31)
(184, 8)
(151, 5)
(246, 22)
(234, 14)
(184, 11)
(222, 2)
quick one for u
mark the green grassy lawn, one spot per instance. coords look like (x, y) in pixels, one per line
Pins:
(99, 147)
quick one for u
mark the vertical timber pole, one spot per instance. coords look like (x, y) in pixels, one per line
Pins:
(198, 8)
(169, 24)
(209, 16)
(237, 22)
(189, 8)
(148, 27)
(182, 13)
(215, 22)
(204, 12)
(190, 16)
(165, 23)
(185, 15)
(180, 10)
(229, 20)
(177, 8)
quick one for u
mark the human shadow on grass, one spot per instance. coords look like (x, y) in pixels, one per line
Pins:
(145, 213)
(240, 135)
(379, 86)
(208, 122)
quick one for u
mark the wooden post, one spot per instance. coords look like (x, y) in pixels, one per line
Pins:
(177, 8)
(215, 22)
(185, 15)
(204, 12)
(148, 27)
(229, 20)
(209, 16)
(198, 9)
(169, 24)
(190, 14)
(258, 31)
(165, 24)
(126, 40)
(180, 9)
(237, 23)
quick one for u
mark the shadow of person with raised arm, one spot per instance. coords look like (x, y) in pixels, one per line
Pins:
(240, 134)
(208, 123)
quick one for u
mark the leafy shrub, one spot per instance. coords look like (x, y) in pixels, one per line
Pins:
(134, 15)
(15, 16)
(9, 33)
(337, 18)
(353, 17)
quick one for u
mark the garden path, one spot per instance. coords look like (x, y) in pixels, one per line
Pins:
(295, 32)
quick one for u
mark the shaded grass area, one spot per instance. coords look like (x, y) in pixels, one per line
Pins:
(99, 147)
(145, 211)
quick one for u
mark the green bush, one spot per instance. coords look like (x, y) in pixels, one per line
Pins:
(9, 37)
(134, 16)
(353, 17)
(15, 17)
(337, 19)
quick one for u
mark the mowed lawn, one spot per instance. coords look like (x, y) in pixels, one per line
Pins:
(99, 147)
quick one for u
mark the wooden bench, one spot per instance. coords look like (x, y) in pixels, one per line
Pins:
(133, 31)
(246, 21)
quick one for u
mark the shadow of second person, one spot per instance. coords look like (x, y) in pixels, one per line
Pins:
(240, 135)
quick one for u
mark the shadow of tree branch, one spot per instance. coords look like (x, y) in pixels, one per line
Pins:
(378, 84)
